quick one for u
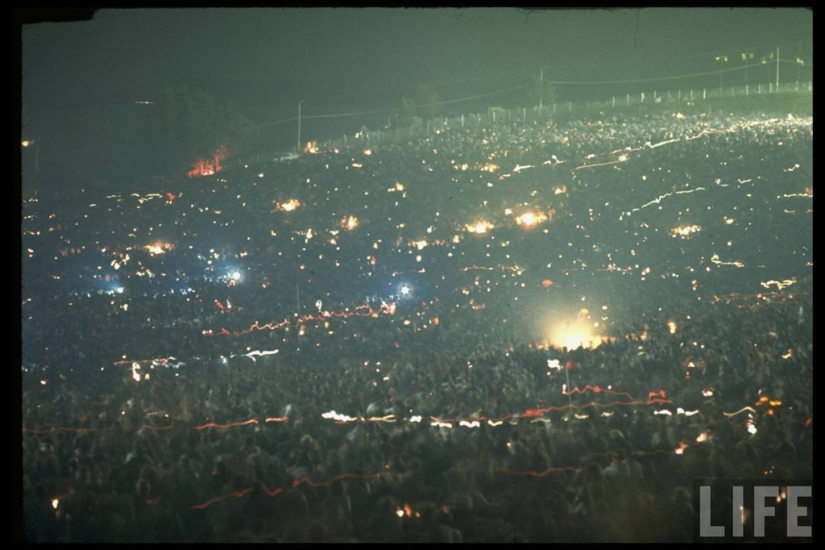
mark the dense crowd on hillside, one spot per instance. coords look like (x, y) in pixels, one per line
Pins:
(341, 347)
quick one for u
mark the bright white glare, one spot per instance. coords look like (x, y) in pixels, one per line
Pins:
(479, 227)
(290, 205)
(405, 290)
(235, 276)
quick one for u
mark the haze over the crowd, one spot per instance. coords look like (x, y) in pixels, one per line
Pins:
(81, 80)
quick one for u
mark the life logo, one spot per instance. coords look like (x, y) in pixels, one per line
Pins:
(753, 510)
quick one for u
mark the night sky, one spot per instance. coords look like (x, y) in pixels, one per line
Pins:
(81, 79)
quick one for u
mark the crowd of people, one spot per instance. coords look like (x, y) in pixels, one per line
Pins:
(348, 346)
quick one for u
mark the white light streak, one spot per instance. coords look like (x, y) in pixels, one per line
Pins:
(779, 284)
(715, 259)
(659, 199)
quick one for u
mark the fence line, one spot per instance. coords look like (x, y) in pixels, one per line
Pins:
(420, 130)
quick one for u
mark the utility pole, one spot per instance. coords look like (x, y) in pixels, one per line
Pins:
(721, 59)
(36, 166)
(541, 89)
(299, 126)
(36, 142)
(777, 68)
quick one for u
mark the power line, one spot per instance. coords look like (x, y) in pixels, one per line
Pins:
(482, 95)
(439, 85)
(656, 79)
(268, 124)
(550, 67)
(395, 109)
(499, 92)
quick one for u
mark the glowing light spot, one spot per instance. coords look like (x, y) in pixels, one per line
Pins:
(349, 223)
(685, 231)
(479, 227)
(289, 206)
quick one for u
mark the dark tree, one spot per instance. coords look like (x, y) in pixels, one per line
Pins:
(426, 103)
(429, 100)
(542, 92)
(189, 127)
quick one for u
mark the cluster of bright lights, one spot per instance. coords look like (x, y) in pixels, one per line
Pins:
(479, 227)
(159, 248)
(349, 223)
(529, 219)
(685, 231)
(311, 147)
(289, 205)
